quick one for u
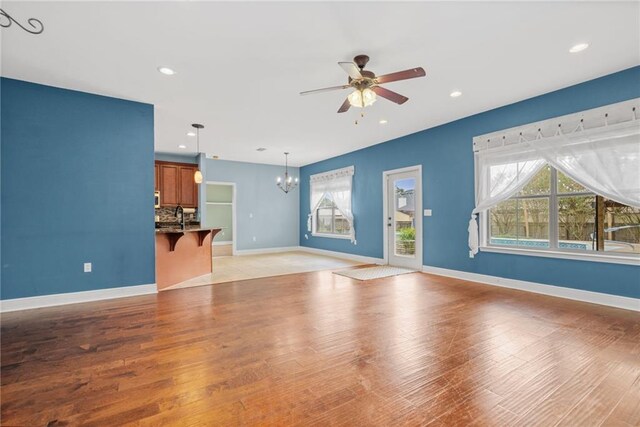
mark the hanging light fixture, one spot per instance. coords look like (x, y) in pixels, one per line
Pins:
(287, 183)
(197, 176)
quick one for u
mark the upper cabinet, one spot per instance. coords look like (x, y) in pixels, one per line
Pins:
(157, 178)
(188, 188)
(176, 184)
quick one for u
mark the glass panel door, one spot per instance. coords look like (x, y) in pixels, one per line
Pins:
(403, 219)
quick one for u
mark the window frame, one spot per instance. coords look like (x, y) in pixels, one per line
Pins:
(314, 223)
(553, 251)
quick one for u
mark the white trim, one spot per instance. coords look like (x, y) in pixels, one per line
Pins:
(222, 243)
(343, 255)
(549, 253)
(385, 212)
(332, 236)
(539, 288)
(233, 209)
(75, 297)
(241, 252)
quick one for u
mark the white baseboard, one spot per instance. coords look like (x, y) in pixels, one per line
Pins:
(222, 243)
(75, 297)
(539, 288)
(266, 250)
(343, 255)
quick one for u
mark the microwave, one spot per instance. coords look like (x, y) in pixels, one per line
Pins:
(156, 199)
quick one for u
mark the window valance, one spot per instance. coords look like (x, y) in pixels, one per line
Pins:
(331, 175)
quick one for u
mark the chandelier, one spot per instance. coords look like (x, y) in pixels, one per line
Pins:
(287, 183)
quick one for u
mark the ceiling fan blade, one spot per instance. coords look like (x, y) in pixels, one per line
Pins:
(351, 69)
(345, 106)
(326, 89)
(401, 75)
(390, 95)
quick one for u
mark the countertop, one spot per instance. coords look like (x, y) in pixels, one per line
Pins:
(189, 228)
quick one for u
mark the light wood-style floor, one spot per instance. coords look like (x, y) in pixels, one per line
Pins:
(245, 267)
(321, 349)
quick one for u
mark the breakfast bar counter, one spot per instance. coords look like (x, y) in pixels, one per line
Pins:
(182, 254)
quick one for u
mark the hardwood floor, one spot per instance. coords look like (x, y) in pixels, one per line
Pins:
(320, 349)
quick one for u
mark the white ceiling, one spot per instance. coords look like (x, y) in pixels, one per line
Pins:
(240, 66)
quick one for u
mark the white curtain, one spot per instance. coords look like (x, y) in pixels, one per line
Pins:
(605, 160)
(336, 186)
(500, 174)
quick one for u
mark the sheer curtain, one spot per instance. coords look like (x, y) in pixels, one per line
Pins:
(500, 174)
(605, 160)
(335, 185)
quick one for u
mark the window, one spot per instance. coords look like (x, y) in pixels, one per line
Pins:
(554, 212)
(330, 212)
(329, 220)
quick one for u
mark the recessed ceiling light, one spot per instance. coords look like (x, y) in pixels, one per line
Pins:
(261, 149)
(383, 122)
(579, 47)
(166, 71)
(191, 134)
(182, 146)
(455, 94)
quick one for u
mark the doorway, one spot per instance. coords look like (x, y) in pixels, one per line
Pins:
(220, 213)
(403, 217)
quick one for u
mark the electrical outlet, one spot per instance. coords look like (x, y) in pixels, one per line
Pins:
(254, 238)
(250, 215)
(427, 212)
(87, 267)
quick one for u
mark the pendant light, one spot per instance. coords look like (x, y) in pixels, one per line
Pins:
(288, 183)
(197, 176)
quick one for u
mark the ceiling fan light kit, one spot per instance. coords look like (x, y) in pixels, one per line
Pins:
(367, 86)
(362, 98)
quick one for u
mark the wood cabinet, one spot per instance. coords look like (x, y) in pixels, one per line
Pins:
(157, 178)
(188, 188)
(176, 184)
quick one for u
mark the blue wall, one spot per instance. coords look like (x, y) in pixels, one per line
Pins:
(275, 214)
(77, 186)
(445, 153)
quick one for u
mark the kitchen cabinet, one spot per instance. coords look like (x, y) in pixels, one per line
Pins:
(188, 188)
(157, 178)
(176, 184)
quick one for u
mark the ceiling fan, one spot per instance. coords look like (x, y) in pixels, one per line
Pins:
(367, 86)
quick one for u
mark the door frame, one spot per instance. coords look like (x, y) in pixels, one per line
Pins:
(233, 211)
(385, 211)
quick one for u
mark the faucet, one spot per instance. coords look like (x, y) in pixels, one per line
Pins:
(182, 221)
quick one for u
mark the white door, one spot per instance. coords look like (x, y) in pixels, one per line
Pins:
(403, 218)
